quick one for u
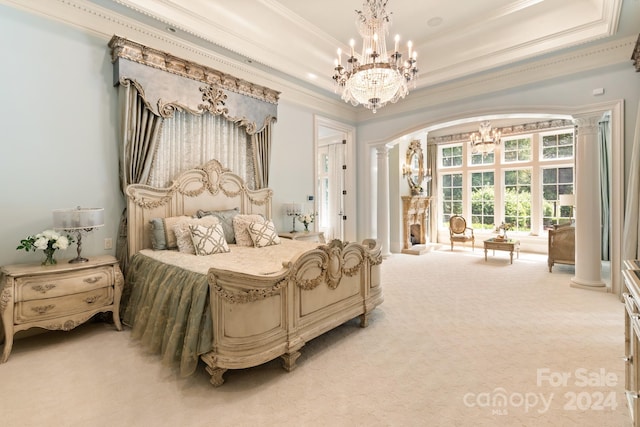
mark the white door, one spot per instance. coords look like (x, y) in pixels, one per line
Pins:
(331, 169)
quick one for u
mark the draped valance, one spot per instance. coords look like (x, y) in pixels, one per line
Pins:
(171, 84)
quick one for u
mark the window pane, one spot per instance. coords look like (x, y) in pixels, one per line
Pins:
(558, 146)
(565, 175)
(510, 177)
(482, 199)
(565, 152)
(457, 193)
(517, 204)
(556, 181)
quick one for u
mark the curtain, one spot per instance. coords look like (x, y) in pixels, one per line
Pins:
(261, 142)
(139, 135)
(604, 143)
(188, 141)
(432, 188)
(631, 237)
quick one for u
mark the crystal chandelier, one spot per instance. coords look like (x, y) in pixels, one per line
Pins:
(374, 77)
(486, 140)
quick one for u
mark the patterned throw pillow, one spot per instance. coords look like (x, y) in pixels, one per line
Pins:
(241, 228)
(183, 233)
(226, 219)
(162, 234)
(208, 240)
(263, 234)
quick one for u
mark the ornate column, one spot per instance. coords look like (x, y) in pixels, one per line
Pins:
(587, 184)
(382, 154)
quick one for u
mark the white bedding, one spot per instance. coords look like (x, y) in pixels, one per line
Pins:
(265, 261)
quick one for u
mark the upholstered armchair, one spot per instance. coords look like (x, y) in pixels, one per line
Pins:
(459, 232)
(562, 245)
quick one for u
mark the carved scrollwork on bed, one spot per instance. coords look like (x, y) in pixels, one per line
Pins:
(212, 177)
(243, 297)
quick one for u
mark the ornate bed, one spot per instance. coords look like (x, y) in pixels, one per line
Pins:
(235, 312)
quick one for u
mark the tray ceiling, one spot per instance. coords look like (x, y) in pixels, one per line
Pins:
(454, 39)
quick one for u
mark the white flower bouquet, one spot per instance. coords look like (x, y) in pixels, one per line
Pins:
(306, 219)
(48, 241)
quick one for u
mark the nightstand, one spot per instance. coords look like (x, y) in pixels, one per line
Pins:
(58, 297)
(311, 236)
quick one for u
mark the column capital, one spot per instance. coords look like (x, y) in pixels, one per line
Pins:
(587, 124)
(382, 150)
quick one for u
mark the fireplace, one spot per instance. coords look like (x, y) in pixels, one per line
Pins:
(415, 224)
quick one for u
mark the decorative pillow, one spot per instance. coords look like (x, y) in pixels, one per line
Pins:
(263, 234)
(226, 219)
(208, 240)
(241, 228)
(162, 234)
(183, 233)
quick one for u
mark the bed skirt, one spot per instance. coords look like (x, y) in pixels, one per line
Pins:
(168, 310)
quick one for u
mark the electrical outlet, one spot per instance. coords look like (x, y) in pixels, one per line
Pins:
(108, 243)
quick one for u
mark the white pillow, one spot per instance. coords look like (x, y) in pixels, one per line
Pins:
(263, 234)
(208, 240)
(183, 233)
(240, 228)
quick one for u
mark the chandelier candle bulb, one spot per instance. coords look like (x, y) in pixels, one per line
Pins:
(397, 38)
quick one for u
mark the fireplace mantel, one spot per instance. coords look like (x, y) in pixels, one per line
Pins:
(415, 224)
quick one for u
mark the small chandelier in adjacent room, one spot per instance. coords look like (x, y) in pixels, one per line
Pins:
(375, 77)
(486, 140)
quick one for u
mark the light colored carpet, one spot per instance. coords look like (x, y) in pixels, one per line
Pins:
(454, 334)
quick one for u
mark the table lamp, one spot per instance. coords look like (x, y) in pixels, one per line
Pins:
(79, 220)
(568, 200)
(294, 210)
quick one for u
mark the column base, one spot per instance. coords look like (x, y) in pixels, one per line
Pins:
(599, 286)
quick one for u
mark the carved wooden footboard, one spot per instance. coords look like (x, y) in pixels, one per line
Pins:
(259, 318)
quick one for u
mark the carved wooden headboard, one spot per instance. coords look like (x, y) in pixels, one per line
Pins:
(209, 187)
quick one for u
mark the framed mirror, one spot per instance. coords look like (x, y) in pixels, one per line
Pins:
(414, 167)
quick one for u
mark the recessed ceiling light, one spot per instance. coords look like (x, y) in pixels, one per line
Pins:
(312, 76)
(434, 22)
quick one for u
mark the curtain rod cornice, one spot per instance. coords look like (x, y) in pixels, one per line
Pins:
(136, 52)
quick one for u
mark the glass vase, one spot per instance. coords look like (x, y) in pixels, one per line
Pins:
(49, 257)
(306, 226)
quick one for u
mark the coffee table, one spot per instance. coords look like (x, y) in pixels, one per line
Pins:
(509, 245)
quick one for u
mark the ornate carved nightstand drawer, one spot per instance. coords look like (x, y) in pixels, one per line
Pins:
(60, 296)
(55, 285)
(42, 309)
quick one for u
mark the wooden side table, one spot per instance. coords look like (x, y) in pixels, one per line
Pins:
(312, 236)
(58, 297)
(508, 245)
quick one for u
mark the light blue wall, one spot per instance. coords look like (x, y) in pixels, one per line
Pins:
(291, 176)
(59, 125)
